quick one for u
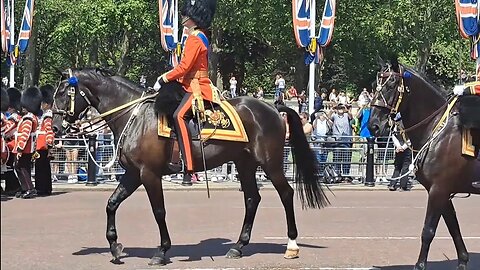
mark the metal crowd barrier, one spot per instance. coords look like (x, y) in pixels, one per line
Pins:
(336, 160)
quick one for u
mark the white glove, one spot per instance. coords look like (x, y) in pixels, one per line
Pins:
(458, 90)
(157, 85)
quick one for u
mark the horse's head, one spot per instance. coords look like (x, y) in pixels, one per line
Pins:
(72, 99)
(389, 94)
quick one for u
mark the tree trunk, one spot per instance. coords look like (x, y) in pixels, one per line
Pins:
(422, 57)
(123, 62)
(30, 76)
(217, 35)
(93, 54)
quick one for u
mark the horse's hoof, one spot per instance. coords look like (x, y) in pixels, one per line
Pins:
(234, 254)
(291, 253)
(420, 266)
(462, 266)
(158, 260)
(116, 249)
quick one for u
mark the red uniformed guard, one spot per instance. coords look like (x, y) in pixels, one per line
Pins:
(25, 141)
(471, 88)
(12, 186)
(192, 72)
(3, 145)
(45, 137)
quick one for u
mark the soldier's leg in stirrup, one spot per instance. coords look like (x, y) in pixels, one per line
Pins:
(181, 117)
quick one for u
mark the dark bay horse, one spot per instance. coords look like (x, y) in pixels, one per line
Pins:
(144, 155)
(441, 168)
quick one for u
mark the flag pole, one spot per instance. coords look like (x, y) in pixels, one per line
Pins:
(12, 45)
(311, 77)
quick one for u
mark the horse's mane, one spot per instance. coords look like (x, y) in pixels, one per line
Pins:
(106, 73)
(434, 87)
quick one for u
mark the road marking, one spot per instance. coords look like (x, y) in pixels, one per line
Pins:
(279, 268)
(367, 238)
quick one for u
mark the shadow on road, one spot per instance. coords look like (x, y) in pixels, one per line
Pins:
(213, 247)
(474, 263)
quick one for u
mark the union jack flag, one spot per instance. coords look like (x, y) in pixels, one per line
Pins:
(328, 20)
(5, 23)
(468, 23)
(301, 21)
(26, 28)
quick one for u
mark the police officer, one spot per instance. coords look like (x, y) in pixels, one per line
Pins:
(45, 137)
(192, 73)
(25, 141)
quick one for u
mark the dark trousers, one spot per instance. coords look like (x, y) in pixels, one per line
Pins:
(401, 163)
(23, 167)
(181, 117)
(43, 173)
(11, 180)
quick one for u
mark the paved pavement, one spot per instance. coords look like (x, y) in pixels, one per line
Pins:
(361, 230)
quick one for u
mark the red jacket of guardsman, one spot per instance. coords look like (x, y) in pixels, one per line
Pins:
(5, 102)
(26, 134)
(193, 65)
(25, 138)
(45, 134)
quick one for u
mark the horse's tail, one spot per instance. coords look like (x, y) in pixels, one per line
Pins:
(307, 177)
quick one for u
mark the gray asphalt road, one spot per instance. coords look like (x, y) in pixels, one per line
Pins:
(361, 230)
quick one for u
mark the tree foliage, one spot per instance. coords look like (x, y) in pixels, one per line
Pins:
(252, 40)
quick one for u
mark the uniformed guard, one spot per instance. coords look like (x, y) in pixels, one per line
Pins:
(25, 141)
(3, 145)
(192, 73)
(45, 137)
(12, 185)
(470, 88)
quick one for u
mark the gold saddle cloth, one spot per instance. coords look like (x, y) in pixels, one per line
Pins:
(222, 123)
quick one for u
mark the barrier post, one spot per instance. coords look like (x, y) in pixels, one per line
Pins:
(369, 175)
(92, 168)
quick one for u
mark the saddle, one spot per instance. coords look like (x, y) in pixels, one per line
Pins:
(222, 122)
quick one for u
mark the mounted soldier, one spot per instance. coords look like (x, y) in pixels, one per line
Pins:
(45, 137)
(25, 141)
(192, 73)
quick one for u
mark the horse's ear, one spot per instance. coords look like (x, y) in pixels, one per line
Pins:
(395, 64)
(380, 61)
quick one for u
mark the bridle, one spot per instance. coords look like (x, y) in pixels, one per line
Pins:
(72, 85)
(383, 78)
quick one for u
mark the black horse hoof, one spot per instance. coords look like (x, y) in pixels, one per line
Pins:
(158, 260)
(462, 266)
(234, 254)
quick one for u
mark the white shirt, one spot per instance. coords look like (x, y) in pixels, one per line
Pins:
(233, 83)
(342, 99)
(280, 83)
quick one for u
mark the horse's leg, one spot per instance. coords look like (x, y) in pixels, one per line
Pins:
(128, 184)
(437, 200)
(246, 172)
(274, 171)
(153, 186)
(450, 218)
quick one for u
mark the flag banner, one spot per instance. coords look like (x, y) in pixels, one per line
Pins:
(4, 27)
(26, 28)
(328, 20)
(168, 14)
(467, 17)
(301, 21)
(176, 54)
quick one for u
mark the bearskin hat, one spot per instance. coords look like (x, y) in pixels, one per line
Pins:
(200, 11)
(5, 100)
(32, 99)
(47, 93)
(14, 95)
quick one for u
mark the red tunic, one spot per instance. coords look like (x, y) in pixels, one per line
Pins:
(10, 129)
(194, 65)
(25, 136)
(45, 135)
(3, 144)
